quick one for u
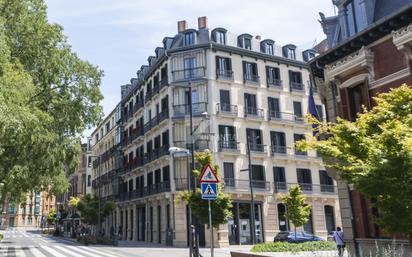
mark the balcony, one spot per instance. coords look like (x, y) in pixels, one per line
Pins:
(277, 116)
(164, 82)
(200, 144)
(307, 188)
(230, 146)
(182, 110)
(259, 148)
(278, 149)
(274, 83)
(156, 121)
(138, 106)
(145, 191)
(148, 96)
(188, 74)
(224, 74)
(297, 87)
(301, 153)
(231, 184)
(254, 112)
(155, 154)
(226, 109)
(251, 79)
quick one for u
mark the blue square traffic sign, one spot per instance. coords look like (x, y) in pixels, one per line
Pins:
(209, 191)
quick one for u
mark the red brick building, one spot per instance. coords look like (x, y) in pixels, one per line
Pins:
(369, 50)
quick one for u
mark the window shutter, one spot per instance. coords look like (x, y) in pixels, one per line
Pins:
(217, 63)
(244, 67)
(290, 77)
(254, 69)
(229, 63)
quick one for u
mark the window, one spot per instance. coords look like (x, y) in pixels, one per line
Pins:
(273, 76)
(227, 137)
(295, 79)
(258, 176)
(291, 53)
(278, 142)
(356, 101)
(166, 173)
(274, 109)
(297, 110)
(223, 68)
(269, 48)
(107, 127)
(229, 173)
(319, 111)
(89, 161)
(250, 72)
(220, 37)
(247, 43)
(279, 178)
(298, 137)
(189, 39)
(326, 182)
(350, 19)
(304, 179)
(308, 227)
(189, 67)
(250, 104)
(283, 222)
(225, 100)
(254, 140)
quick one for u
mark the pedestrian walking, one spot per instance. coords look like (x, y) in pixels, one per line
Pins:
(340, 243)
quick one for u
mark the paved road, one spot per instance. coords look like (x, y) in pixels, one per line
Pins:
(31, 243)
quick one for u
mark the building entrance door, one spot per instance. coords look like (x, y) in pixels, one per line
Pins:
(240, 226)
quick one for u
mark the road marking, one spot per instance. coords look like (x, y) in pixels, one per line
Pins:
(20, 252)
(52, 251)
(75, 249)
(44, 241)
(36, 252)
(95, 251)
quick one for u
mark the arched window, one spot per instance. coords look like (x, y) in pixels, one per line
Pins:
(329, 218)
(283, 222)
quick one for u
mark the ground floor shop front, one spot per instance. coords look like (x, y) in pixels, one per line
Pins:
(164, 220)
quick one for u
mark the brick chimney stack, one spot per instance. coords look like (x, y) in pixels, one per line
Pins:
(202, 22)
(181, 26)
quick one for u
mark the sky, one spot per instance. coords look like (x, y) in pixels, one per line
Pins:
(119, 35)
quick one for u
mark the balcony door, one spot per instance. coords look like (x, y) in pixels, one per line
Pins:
(274, 109)
(258, 176)
(278, 142)
(227, 136)
(254, 139)
(279, 178)
(189, 67)
(250, 104)
(225, 100)
(304, 179)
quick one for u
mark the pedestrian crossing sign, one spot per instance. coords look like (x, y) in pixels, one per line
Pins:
(209, 191)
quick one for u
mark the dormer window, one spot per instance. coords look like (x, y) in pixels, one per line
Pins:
(245, 41)
(189, 39)
(289, 51)
(309, 55)
(268, 49)
(221, 37)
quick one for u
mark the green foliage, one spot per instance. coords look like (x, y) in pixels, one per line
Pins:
(89, 239)
(74, 202)
(89, 209)
(221, 208)
(294, 247)
(51, 218)
(1, 237)
(375, 154)
(296, 210)
(48, 96)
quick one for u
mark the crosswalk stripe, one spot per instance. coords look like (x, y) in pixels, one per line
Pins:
(82, 251)
(36, 252)
(75, 249)
(71, 251)
(20, 252)
(52, 251)
(95, 251)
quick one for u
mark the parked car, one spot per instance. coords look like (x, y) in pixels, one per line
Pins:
(289, 236)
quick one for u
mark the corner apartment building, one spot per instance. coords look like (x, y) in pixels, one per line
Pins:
(242, 87)
(31, 213)
(368, 51)
(78, 179)
(105, 160)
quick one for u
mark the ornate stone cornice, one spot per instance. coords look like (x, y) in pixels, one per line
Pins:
(402, 39)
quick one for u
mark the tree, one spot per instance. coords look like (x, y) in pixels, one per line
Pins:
(89, 209)
(296, 210)
(221, 208)
(48, 96)
(374, 153)
(51, 218)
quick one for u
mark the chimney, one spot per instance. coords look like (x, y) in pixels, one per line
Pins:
(258, 37)
(202, 22)
(181, 26)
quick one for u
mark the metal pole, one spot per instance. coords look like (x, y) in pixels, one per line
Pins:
(211, 230)
(192, 150)
(252, 199)
(98, 221)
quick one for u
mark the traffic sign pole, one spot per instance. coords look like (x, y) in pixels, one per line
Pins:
(211, 230)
